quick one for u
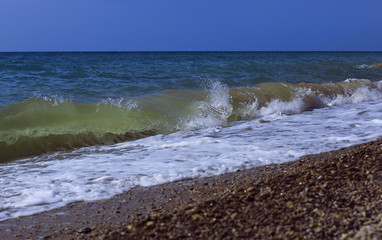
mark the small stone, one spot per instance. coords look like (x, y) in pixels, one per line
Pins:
(85, 230)
(364, 232)
(149, 223)
(263, 121)
(181, 226)
(196, 216)
(319, 212)
(346, 235)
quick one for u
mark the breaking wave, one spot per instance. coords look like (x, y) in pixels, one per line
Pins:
(45, 124)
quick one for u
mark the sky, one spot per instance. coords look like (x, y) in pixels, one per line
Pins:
(190, 25)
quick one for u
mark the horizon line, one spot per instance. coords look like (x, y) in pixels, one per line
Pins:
(185, 51)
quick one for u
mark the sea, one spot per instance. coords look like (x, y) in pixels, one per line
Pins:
(89, 125)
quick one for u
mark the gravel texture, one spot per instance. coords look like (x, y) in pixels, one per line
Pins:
(333, 195)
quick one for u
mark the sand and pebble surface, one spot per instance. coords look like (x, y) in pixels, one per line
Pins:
(333, 195)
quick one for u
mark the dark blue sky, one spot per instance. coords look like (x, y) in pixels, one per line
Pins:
(197, 25)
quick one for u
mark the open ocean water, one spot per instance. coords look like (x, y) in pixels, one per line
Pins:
(87, 126)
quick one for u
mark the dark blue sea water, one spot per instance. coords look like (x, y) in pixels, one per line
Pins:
(89, 77)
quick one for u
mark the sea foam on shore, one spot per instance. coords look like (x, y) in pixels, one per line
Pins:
(333, 195)
(103, 171)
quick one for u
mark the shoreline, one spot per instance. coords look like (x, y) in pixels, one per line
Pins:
(327, 195)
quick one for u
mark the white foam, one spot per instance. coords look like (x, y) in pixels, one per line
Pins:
(362, 66)
(53, 180)
(376, 121)
(362, 94)
(356, 79)
(119, 102)
(213, 112)
(249, 110)
(277, 107)
(53, 99)
(379, 85)
(40, 197)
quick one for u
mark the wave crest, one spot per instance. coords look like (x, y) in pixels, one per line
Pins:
(44, 124)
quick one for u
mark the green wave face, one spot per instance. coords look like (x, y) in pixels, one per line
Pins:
(41, 125)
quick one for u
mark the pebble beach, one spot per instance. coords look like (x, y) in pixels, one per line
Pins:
(332, 195)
